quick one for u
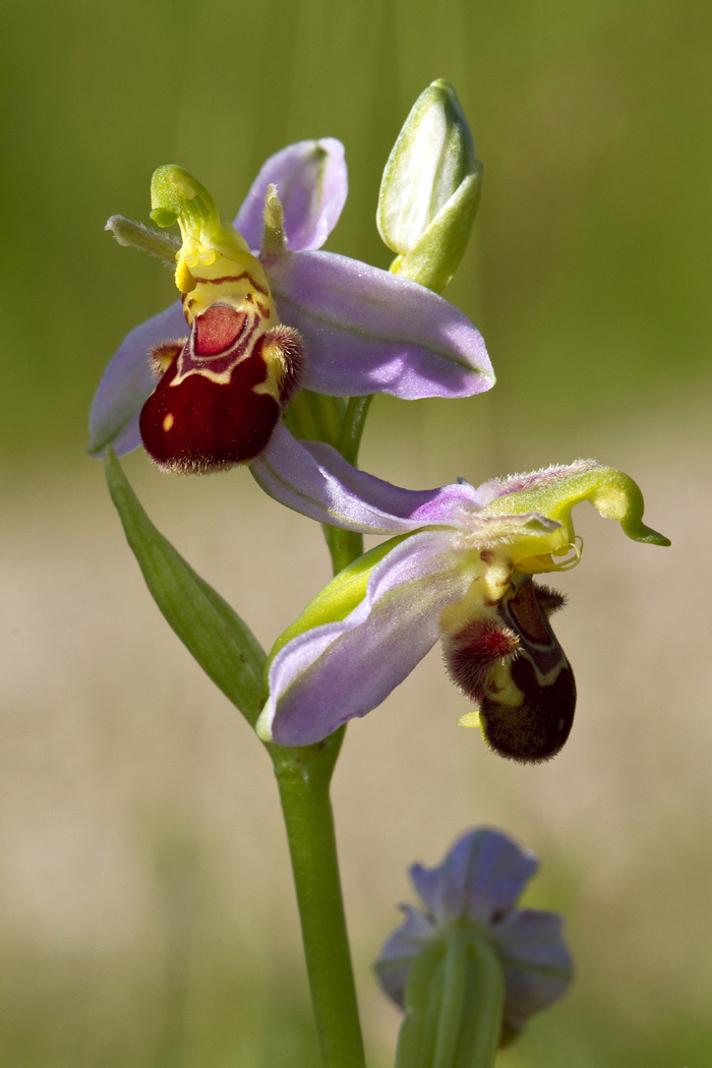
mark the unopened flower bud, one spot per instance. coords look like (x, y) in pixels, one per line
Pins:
(430, 189)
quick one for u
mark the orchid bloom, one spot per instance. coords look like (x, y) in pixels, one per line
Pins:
(461, 569)
(478, 884)
(260, 325)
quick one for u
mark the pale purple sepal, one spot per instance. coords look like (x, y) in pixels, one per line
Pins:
(396, 956)
(536, 962)
(128, 381)
(480, 880)
(312, 184)
(338, 671)
(314, 479)
(482, 876)
(368, 331)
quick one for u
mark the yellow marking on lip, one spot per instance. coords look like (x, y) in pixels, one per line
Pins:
(168, 422)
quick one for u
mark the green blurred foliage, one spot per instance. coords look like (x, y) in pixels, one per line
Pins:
(585, 272)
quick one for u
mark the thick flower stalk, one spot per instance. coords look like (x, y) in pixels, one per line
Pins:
(461, 570)
(204, 383)
(470, 905)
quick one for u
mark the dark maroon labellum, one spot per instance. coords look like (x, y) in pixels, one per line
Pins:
(221, 394)
(511, 665)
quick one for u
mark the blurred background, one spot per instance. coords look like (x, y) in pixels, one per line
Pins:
(146, 913)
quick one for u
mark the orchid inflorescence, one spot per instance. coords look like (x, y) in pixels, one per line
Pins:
(268, 322)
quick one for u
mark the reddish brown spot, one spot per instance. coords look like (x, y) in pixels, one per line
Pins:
(528, 616)
(522, 642)
(537, 729)
(214, 425)
(472, 651)
(217, 329)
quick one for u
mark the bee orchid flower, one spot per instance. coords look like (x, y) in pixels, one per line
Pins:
(204, 383)
(461, 568)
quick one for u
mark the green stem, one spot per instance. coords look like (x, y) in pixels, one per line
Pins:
(344, 546)
(303, 778)
(352, 426)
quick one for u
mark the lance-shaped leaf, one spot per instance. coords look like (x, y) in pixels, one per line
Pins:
(210, 629)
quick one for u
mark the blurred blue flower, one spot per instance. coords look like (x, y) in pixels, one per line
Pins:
(479, 882)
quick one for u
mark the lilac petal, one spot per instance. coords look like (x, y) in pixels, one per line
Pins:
(396, 956)
(312, 184)
(127, 382)
(480, 878)
(368, 331)
(314, 479)
(536, 962)
(328, 675)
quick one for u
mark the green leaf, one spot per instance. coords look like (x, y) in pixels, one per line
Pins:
(210, 629)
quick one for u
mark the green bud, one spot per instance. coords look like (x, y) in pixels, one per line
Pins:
(430, 189)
